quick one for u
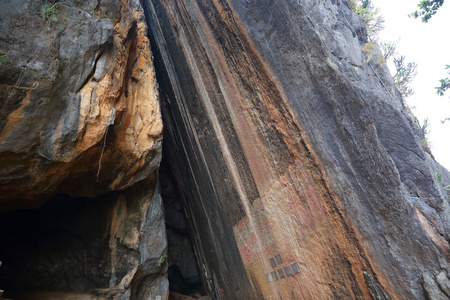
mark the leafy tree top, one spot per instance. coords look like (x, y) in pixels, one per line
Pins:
(427, 8)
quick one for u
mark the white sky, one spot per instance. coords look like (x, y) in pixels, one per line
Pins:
(427, 44)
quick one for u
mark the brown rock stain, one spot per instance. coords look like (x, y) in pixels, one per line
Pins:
(431, 231)
(15, 117)
(298, 216)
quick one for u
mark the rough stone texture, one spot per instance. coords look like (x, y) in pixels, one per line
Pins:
(79, 111)
(80, 128)
(104, 248)
(176, 296)
(444, 282)
(303, 175)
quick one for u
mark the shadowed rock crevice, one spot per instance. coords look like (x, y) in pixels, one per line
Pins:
(183, 270)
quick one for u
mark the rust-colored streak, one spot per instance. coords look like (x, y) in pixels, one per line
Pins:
(297, 214)
(15, 117)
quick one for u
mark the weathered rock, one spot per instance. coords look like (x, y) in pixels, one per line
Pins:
(79, 110)
(176, 296)
(79, 118)
(444, 282)
(432, 290)
(303, 175)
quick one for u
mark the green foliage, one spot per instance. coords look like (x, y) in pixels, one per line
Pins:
(423, 129)
(368, 50)
(2, 58)
(49, 11)
(373, 21)
(405, 72)
(445, 83)
(423, 134)
(427, 8)
(439, 178)
(371, 54)
(389, 50)
(163, 257)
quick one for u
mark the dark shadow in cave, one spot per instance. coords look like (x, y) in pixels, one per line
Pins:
(65, 244)
(184, 275)
(62, 246)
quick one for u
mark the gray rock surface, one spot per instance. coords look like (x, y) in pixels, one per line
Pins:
(444, 282)
(289, 139)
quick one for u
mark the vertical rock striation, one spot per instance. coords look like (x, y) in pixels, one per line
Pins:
(302, 172)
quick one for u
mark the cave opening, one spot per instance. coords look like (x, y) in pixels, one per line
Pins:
(61, 246)
(78, 246)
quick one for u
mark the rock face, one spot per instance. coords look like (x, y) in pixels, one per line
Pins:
(79, 118)
(303, 175)
(79, 110)
(300, 171)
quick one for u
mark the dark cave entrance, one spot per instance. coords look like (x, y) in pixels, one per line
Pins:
(62, 246)
(65, 245)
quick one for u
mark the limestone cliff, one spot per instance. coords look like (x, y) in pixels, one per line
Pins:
(302, 172)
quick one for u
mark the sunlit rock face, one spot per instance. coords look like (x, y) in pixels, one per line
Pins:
(303, 175)
(79, 109)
